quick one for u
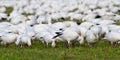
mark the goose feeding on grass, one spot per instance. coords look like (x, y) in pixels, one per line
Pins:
(80, 40)
(113, 37)
(68, 35)
(47, 38)
(83, 30)
(97, 29)
(105, 29)
(23, 39)
(8, 38)
(91, 37)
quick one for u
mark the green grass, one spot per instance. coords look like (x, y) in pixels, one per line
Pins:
(101, 51)
(9, 10)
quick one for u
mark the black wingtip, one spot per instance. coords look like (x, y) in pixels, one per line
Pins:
(57, 36)
(54, 37)
(97, 16)
(97, 24)
(58, 33)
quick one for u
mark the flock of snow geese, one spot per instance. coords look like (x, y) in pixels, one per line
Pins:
(32, 20)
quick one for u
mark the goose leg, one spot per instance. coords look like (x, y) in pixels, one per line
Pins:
(69, 44)
(53, 44)
(46, 45)
(90, 45)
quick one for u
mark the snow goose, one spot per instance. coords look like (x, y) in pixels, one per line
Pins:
(91, 37)
(23, 39)
(113, 37)
(8, 38)
(68, 35)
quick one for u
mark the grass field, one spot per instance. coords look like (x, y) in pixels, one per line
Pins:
(101, 51)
